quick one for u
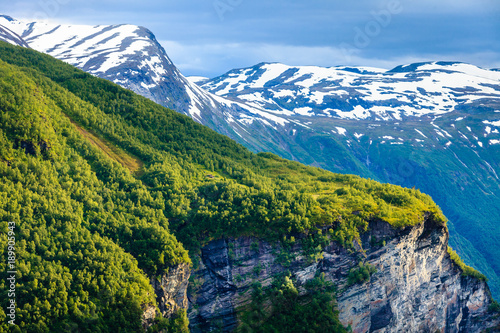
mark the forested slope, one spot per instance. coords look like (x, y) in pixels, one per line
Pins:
(90, 230)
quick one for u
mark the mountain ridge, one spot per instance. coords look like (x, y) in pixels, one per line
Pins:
(96, 245)
(386, 149)
(145, 69)
(323, 90)
(10, 36)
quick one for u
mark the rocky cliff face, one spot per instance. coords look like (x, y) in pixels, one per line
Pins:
(170, 289)
(171, 294)
(417, 287)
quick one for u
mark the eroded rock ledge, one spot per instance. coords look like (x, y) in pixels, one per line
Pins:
(417, 287)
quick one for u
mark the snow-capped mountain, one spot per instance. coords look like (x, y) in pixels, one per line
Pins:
(130, 56)
(199, 80)
(434, 126)
(425, 89)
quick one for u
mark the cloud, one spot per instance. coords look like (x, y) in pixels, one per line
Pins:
(216, 59)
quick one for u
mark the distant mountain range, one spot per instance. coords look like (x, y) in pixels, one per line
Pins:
(434, 126)
(423, 89)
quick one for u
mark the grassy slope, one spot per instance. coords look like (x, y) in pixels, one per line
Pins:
(133, 164)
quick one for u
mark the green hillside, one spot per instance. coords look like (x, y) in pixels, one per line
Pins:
(99, 180)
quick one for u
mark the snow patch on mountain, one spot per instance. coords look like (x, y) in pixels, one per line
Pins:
(10, 36)
(493, 123)
(341, 130)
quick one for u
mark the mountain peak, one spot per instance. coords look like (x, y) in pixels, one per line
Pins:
(197, 79)
(409, 67)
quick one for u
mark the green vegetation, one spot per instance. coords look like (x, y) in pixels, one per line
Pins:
(99, 180)
(282, 309)
(179, 323)
(360, 274)
(466, 270)
(494, 307)
(87, 233)
(113, 152)
(261, 194)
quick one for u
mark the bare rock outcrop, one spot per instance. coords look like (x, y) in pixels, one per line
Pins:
(170, 289)
(416, 288)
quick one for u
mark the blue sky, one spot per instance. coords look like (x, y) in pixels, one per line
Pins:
(210, 37)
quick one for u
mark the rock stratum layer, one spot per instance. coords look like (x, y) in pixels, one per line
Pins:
(416, 288)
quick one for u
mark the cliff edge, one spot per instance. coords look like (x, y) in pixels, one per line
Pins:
(415, 285)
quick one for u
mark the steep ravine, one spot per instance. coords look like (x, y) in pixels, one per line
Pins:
(417, 287)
